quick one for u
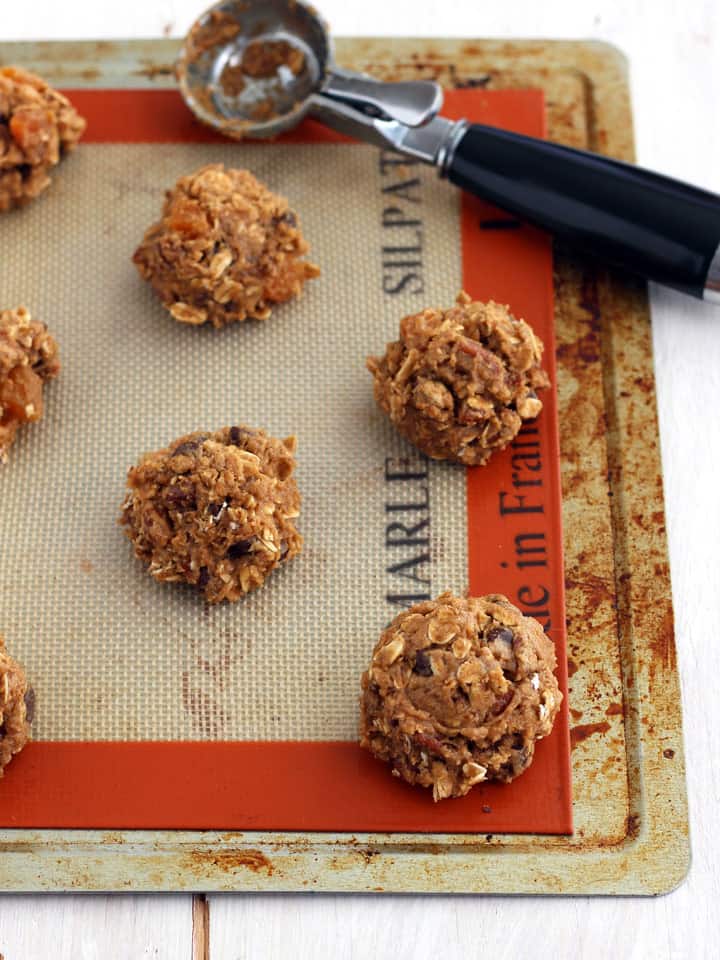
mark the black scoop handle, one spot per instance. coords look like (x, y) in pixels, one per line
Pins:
(646, 223)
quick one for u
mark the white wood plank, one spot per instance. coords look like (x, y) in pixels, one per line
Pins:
(94, 927)
(426, 928)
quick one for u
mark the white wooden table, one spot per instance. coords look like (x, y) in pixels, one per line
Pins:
(674, 49)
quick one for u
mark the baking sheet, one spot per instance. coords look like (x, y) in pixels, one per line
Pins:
(629, 801)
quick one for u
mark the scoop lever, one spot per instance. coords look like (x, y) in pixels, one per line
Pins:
(412, 103)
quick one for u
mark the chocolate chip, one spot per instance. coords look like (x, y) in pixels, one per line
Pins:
(238, 435)
(422, 666)
(3, 730)
(501, 702)
(203, 577)
(190, 446)
(501, 634)
(215, 508)
(289, 218)
(184, 449)
(180, 497)
(240, 548)
(30, 705)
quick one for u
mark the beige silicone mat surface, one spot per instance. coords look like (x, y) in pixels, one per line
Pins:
(113, 654)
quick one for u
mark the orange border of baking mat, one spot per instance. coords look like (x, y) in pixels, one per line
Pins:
(334, 785)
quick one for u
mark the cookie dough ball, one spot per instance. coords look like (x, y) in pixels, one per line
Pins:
(17, 703)
(458, 691)
(226, 249)
(459, 383)
(38, 126)
(28, 359)
(216, 510)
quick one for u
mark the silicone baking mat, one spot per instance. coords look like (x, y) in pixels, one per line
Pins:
(155, 710)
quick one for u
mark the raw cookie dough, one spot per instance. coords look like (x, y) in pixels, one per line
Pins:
(17, 702)
(225, 249)
(216, 28)
(216, 510)
(38, 126)
(28, 358)
(458, 691)
(459, 383)
(263, 58)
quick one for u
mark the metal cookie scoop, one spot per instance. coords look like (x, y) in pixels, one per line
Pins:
(255, 68)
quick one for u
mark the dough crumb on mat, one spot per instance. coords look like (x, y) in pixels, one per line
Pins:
(216, 510)
(263, 58)
(226, 249)
(28, 358)
(38, 125)
(458, 691)
(17, 706)
(459, 382)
